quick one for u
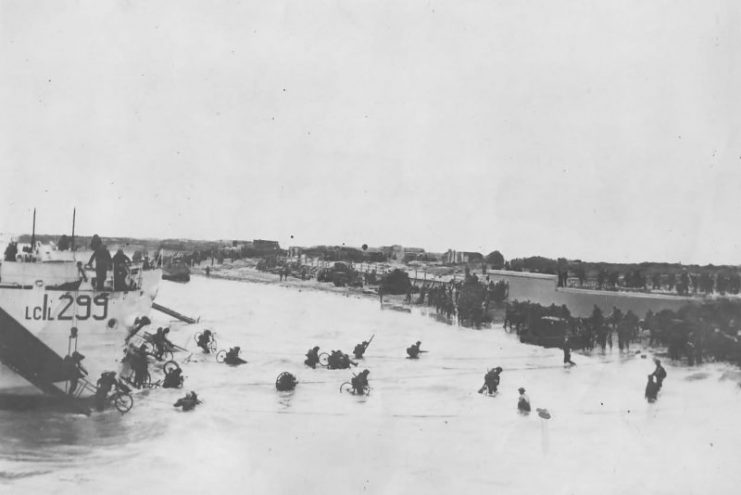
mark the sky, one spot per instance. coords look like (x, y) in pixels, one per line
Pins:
(603, 130)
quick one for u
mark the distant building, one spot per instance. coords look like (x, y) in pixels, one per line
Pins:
(452, 257)
(263, 245)
(398, 252)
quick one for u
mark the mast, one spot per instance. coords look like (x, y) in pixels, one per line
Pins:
(33, 232)
(74, 212)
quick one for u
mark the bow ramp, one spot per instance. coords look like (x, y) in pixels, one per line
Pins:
(26, 355)
(173, 313)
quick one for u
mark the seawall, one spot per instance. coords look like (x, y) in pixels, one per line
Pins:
(543, 289)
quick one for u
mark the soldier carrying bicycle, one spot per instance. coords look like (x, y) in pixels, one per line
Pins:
(360, 382)
(106, 382)
(161, 342)
(204, 341)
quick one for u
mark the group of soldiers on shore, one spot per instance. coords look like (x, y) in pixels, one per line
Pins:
(468, 299)
(694, 333)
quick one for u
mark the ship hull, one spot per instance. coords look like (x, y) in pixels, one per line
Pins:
(103, 320)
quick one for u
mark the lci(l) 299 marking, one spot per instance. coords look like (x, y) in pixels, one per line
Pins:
(67, 301)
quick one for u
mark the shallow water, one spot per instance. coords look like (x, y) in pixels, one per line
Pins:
(423, 428)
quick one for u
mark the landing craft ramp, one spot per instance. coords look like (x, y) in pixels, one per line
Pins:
(33, 360)
(173, 313)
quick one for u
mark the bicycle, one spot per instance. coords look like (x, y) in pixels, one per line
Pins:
(285, 382)
(222, 354)
(121, 399)
(170, 366)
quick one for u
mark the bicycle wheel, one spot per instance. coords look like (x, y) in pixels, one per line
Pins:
(167, 356)
(324, 359)
(346, 387)
(220, 356)
(170, 366)
(148, 348)
(123, 402)
(285, 382)
(212, 345)
(366, 390)
(197, 337)
(280, 378)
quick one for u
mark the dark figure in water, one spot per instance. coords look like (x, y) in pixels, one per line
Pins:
(652, 389)
(413, 350)
(659, 373)
(121, 264)
(161, 342)
(338, 360)
(567, 354)
(74, 369)
(189, 402)
(11, 251)
(204, 340)
(140, 364)
(360, 382)
(523, 402)
(105, 383)
(285, 382)
(312, 357)
(173, 379)
(491, 381)
(232, 357)
(360, 349)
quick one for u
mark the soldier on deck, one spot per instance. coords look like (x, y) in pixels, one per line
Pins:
(102, 259)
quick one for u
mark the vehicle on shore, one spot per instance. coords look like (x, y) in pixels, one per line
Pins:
(176, 270)
(341, 275)
(546, 331)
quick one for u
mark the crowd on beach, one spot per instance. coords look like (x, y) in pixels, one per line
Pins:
(694, 333)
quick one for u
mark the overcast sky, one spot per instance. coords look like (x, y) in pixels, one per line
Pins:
(601, 130)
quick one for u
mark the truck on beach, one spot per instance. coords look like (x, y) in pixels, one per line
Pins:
(546, 331)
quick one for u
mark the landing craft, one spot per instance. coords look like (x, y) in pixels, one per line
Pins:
(44, 294)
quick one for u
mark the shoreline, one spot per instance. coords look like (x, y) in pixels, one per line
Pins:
(244, 272)
(247, 273)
